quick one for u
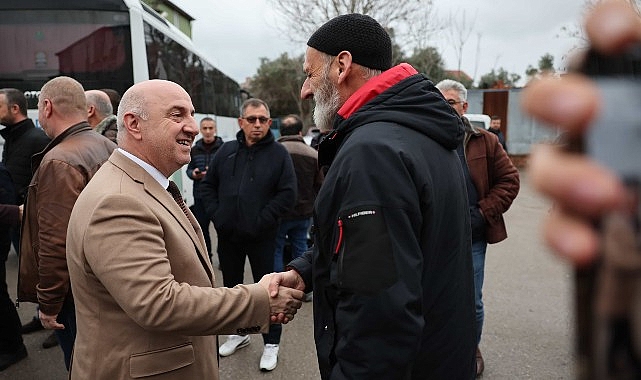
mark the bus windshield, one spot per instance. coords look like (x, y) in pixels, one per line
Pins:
(93, 47)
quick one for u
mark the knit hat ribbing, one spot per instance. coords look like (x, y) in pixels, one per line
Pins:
(361, 35)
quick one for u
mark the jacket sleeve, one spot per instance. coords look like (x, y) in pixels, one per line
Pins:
(285, 193)
(503, 179)
(377, 261)
(142, 281)
(59, 185)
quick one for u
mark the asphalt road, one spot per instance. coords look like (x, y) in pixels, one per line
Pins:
(528, 323)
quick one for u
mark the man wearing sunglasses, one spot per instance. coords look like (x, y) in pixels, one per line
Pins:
(492, 184)
(249, 186)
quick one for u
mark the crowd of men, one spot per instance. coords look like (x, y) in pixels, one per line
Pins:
(405, 196)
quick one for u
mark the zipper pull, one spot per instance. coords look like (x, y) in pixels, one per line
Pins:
(340, 237)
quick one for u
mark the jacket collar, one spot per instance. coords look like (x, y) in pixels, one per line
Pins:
(16, 130)
(375, 87)
(297, 138)
(370, 90)
(73, 130)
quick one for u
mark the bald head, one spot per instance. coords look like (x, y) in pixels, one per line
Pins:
(98, 106)
(61, 104)
(156, 124)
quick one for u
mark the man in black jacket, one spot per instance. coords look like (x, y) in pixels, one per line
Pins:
(12, 348)
(392, 269)
(201, 154)
(248, 187)
(21, 141)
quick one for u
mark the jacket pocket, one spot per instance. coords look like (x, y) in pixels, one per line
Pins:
(161, 361)
(363, 252)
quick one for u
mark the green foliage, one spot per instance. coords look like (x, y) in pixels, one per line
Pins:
(546, 63)
(429, 62)
(500, 79)
(279, 82)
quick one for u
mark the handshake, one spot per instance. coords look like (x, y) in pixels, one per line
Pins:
(285, 294)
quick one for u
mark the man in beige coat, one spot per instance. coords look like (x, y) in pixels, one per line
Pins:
(140, 272)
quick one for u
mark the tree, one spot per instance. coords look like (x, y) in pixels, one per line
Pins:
(500, 79)
(302, 17)
(546, 65)
(429, 62)
(278, 83)
(461, 31)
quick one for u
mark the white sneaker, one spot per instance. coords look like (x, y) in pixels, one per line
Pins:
(233, 343)
(269, 360)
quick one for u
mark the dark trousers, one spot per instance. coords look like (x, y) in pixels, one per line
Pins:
(198, 209)
(67, 336)
(261, 259)
(10, 337)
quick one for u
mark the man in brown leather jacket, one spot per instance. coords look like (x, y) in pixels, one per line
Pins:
(64, 168)
(492, 184)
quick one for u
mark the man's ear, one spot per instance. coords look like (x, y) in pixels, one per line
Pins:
(47, 108)
(344, 62)
(15, 109)
(91, 111)
(132, 125)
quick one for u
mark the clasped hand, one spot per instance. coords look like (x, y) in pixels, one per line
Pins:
(285, 294)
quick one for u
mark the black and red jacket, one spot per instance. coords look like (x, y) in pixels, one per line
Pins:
(392, 266)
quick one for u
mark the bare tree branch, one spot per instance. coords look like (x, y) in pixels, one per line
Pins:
(408, 18)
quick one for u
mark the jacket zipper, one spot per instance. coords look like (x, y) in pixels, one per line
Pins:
(340, 237)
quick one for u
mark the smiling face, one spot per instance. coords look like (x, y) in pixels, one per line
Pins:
(162, 136)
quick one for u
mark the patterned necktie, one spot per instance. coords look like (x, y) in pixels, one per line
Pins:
(175, 193)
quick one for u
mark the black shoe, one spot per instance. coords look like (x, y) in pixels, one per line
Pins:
(32, 326)
(8, 359)
(50, 341)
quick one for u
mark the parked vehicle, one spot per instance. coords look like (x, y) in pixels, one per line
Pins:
(479, 120)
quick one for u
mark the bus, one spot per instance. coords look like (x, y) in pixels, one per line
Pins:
(110, 44)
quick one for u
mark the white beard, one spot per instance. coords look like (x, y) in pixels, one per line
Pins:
(328, 103)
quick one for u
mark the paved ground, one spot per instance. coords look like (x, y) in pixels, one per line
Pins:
(528, 324)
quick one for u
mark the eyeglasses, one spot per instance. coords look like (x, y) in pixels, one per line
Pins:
(453, 102)
(252, 119)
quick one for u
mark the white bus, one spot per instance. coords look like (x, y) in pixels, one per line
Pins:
(109, 44)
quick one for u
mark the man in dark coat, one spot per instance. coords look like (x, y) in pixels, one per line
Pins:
(391, 270)
(12, 348)
(201, 154)
(249, 186)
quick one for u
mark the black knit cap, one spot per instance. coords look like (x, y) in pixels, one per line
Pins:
(361, 35)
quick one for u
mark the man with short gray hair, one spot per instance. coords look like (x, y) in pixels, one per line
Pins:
(492, 184)
(100, 114)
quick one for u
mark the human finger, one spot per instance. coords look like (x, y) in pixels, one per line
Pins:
(613, 26)
(575, 182)
(570, 103)
(573, 239)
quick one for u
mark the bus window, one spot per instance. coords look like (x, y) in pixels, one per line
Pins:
(91, 46)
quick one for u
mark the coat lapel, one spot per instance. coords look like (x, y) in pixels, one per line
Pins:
(166, 201)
